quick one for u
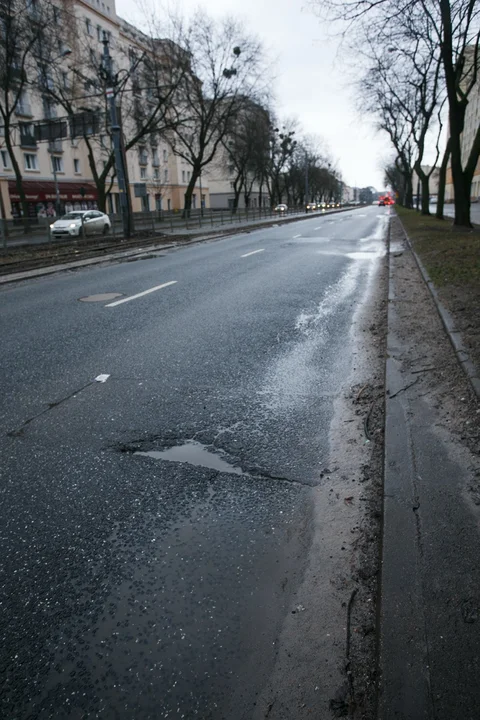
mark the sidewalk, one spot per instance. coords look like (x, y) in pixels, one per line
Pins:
(430, 580)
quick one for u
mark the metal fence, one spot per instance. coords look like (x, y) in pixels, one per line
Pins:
(146, 224)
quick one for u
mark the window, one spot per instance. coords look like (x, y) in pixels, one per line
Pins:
(108, 9)
(5, 158)
(23, 106)
(189, 175)
(165, 174)
(88, 26)
(156, 174)
(30, 162)
(27, 138)
(65, 81)
(99, 33)
(155, 159)
(183, 175)
(143, 173)
(76, 165)
(57, 164)
(165, 155)
(169, 204)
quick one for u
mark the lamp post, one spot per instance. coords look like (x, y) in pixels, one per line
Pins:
(119, 157)
(306, 180)
(65, 53)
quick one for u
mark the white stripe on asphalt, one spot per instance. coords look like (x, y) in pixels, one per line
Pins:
(296, 236)
(254, 252)
(145, 292)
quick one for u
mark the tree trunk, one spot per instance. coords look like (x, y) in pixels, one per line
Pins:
(18, 179)
(102, 196)
(237, 188)
(456, 109)
(442, 181)
(425, 195)
(408, 190)
(189, 193)
(260, 193)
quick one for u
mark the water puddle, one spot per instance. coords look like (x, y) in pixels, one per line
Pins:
(193, 453)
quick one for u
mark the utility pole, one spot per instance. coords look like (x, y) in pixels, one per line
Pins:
(306, 180)
(57, 189)
(116, 130)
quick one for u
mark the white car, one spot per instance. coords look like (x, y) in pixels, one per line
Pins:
(81, 222)
(281, 208)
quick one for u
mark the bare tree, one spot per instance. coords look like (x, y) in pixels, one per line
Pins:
(21, 26)
(282, 148)
(224, 74)
(246, 145)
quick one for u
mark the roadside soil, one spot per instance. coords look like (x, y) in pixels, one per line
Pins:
(326, 653)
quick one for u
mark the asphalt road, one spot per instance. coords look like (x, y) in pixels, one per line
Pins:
(136, 586)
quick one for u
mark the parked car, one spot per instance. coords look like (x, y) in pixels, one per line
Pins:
(281, 208)
(310, 207)
(81, 222)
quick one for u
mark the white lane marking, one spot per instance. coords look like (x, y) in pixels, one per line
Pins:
(102, 378)
(254, 252)
(145, 292)
(296, 236)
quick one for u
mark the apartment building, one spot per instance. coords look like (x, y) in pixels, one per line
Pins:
(61, 168)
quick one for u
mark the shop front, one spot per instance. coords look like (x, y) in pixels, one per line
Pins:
(41, 198)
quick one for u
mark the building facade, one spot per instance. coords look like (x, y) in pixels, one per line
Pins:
(57, 174)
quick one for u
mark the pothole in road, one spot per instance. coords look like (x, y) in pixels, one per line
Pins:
(101, 297)
(193, 453)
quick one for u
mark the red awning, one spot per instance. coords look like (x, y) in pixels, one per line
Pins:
(44, 191)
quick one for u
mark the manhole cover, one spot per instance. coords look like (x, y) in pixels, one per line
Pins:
(101, 297)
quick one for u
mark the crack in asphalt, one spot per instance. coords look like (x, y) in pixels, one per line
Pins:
(18, 432)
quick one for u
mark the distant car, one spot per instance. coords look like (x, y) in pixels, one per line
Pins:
(281, 208)
(81, 222)
(310, 207)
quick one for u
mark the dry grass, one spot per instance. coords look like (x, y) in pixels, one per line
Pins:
(451, 255)
(452, 258)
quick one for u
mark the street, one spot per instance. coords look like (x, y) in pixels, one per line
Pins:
(138, 584)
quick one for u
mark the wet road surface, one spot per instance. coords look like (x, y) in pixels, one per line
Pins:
(157, 519)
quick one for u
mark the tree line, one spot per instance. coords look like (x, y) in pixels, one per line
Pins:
(420, 65)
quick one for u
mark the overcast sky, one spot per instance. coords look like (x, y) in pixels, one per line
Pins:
(312, 80)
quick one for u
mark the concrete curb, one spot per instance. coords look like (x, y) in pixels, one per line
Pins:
(111, 257)
(446, 317)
